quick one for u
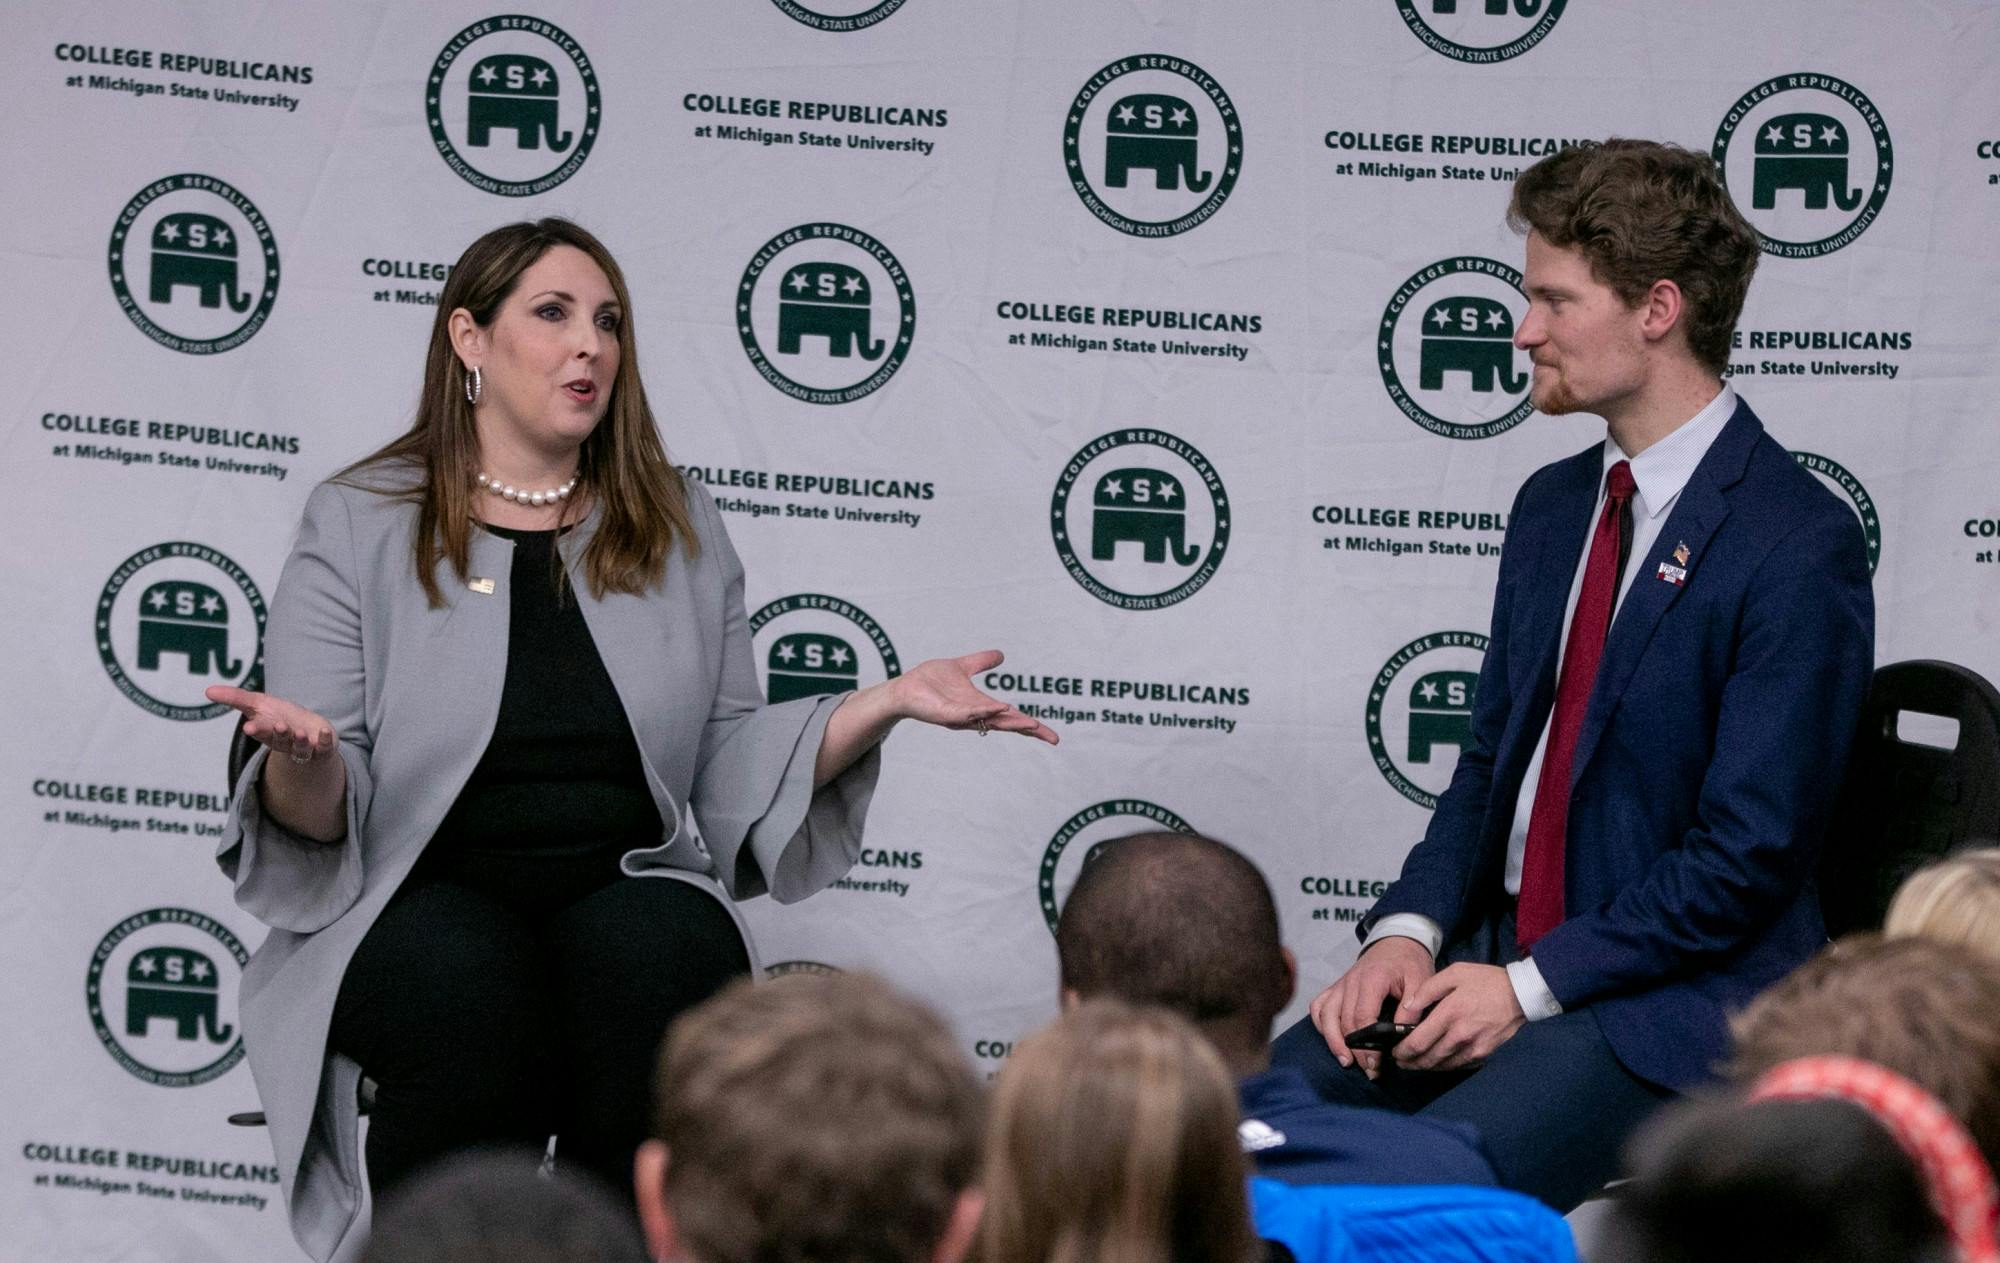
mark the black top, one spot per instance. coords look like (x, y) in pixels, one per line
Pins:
(560, 793)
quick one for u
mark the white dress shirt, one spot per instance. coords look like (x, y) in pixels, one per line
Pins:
(1661, 472)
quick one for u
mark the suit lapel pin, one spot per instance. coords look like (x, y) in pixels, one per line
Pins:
(1670, 573)
(483, 587)
(1681, 554)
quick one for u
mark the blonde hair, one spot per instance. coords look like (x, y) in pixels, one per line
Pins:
(1956, 899)
(1113, 1140)
(623, 463)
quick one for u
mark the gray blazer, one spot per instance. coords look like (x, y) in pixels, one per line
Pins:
(414, 694)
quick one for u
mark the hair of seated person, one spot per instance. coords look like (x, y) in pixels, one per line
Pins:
(815, 1119)
(1113, 1140)
(1184, 922)
(1955, 900)
(495, 1206)
(1721, 1181)
(1928, 1010)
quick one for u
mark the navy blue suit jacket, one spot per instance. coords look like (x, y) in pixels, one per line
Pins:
(1709, 759)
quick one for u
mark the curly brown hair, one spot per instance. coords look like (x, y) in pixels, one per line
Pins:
(1641, 211)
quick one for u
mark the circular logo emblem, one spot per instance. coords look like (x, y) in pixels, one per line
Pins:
(1449, 333)
(513, 105)
(1152, 145)
(194, 265)
(1486, 31)
(174, 619)
(826, 313)
(856, 15)
(1837, 477)
(1097, 824)
(815, 645)
(162, 996)
(1814, 155)
(1417, 725)
(811, 968)
(1130, 515)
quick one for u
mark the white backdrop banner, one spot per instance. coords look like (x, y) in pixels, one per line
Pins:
(1164, 345)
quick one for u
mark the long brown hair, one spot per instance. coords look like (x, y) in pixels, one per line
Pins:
(1113, 1140)
(623, 464)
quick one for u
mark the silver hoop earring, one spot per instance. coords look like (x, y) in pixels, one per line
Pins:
(474, 387)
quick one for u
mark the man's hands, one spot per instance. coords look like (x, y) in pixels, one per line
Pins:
(1476, 1013)
(1393, 966)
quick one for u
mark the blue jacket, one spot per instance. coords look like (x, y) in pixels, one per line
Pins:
(1709, 758)
(1408, 1225)
(1290, 1134)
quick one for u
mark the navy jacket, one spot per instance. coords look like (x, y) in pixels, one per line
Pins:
(1709, 759)
(1290, 1134)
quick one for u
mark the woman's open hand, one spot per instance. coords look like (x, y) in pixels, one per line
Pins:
(286, 727)
(941, 692)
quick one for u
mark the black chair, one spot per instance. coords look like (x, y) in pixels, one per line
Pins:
(1905, 804)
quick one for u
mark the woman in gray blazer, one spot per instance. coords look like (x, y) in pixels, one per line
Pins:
(509, 673)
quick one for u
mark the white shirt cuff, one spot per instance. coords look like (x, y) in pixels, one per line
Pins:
(1534, 996)
(1412, 925)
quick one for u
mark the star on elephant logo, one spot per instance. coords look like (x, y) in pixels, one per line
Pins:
(834, 15)
(172, 620)
(826, 313)
(1063, 859)
(161, 993)
(1419, 713)
(513, 105)
(193, 264)
(1446, 348)
(1836, 477)
(1815, 158)
(810, 644)
(1152, 145)
(1482, 32)
(1140, 519)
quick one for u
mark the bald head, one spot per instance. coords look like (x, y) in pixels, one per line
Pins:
(1184, 922)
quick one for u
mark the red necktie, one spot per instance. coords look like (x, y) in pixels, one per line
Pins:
(1541, 904)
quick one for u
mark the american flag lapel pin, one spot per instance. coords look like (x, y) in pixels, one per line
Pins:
(483, 587)
(1675, 571)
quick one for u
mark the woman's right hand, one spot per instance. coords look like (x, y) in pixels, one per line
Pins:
(286, 727)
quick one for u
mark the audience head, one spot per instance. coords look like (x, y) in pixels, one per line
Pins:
(821, 1118)
(498, 1208)
(1926, 1010)
(1783, 1181)
(1113, 1140)
(1186, 923)
(1956, 900)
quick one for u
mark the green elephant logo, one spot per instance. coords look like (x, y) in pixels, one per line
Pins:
(187, 618)
(178, 984)
(808, 664)
(1156, 132)
(1144, 507)
(520, 76)
(1146, 113)
(1494, 8)
(190, 248)
(1470, 335)
(517, 93)
(1408, 716)
(1441, 712)
(1815, 136)
(175, 972)
(831, 301)
(1807, 152)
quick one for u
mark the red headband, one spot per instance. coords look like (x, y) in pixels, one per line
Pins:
(1960, 1182)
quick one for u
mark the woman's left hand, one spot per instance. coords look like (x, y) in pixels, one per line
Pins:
(941, 692)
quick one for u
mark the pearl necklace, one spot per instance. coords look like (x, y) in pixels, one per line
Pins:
(535, 498)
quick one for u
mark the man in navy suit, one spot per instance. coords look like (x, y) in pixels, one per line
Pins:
(1683, 634)
(1188, 923)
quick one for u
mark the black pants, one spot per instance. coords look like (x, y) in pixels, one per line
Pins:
(486, 1019)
